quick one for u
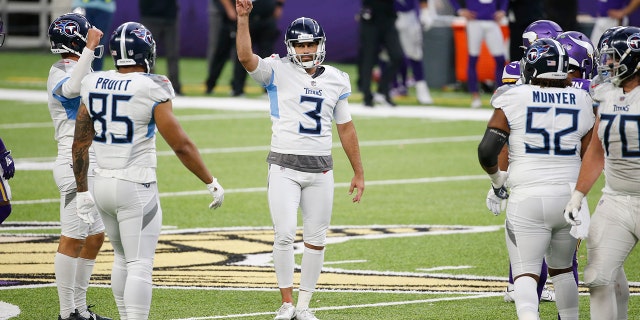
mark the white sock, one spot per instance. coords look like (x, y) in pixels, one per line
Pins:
(65, 269)
(138, 290)
(83, 274)
(310, 268)
(304, 297)
(603, 304)
(284, 262)
(566, 295)
(526, 297)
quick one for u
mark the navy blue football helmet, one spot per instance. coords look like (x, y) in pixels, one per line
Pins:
(580, 51)
(68, 33)
(544, 59)
(305, 30)
(132, 44)
(621, 56)
(540, 29)
(1, 32)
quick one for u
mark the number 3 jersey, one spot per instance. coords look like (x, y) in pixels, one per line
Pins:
(547, 125)
(303, 106)
(618, 131)
(121, 106)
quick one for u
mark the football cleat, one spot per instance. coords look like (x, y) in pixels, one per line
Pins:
(547, 295)
(508, 293)
(305, 314)
(286, 312)
(92, 315)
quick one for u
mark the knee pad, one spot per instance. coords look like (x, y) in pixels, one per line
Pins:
(592, 278)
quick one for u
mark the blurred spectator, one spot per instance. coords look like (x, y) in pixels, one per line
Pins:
(563, 12)
(612, 13)
(100, 14)
(263, 23)
(216, 16)
(483, 23)
(377, 30)
(521, 14)
(224, 48)
(161, 18)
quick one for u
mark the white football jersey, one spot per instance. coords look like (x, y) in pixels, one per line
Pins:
(303, 107)
(121, 107)
(547, 125)
(63, 108)
(618, 131)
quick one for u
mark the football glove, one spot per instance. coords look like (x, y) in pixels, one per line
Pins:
(498, 180)
(573, 207)
(86, 207)
(8, 167)
(495, 204)
(217, 193)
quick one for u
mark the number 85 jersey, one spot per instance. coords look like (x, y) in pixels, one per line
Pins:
(547, 126)
(302, 106)
(121, 107)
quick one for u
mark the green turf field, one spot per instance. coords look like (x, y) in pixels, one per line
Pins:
(420, 245)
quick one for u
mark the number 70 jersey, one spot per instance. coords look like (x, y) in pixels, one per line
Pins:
(547, 126)
(121, 107)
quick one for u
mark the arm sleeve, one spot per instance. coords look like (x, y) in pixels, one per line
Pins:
(71, 88)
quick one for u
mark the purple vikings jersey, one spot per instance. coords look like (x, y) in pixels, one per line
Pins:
(606, 5)
(484, 9)
(583, 84)
(406, 5)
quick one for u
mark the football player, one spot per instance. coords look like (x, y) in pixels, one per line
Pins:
(483, 23)
(7, 169)
(119, 113)
(76, 40)
(306, 97)
(612, 234)
(547, 126)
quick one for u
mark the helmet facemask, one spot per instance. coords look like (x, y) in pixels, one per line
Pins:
(610, 64)
(317, 57)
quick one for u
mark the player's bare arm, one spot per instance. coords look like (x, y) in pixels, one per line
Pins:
(592, 162)
(243, 39)
(349, 140)
(82, 138)
(180, 143)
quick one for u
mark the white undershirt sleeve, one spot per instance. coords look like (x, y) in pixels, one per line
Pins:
(71, 88)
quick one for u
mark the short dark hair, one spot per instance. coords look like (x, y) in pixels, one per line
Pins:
(551, 83)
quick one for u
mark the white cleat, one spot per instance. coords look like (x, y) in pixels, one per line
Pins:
(422, 93)
(508, 293)
(548, 295)
(305, 314)
(286, 312)
(476, 103)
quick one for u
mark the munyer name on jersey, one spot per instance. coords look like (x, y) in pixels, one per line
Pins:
(554, 97)
(108, 84)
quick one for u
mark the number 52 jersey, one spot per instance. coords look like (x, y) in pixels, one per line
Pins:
(547, 125)
(121, 106)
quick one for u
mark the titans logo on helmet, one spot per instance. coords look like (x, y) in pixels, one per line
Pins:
(143, 34)
(67, 27)
(634, 42)
(536, 52)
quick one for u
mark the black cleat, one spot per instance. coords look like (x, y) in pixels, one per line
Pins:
(92, 315)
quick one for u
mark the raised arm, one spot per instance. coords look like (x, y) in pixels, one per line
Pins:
(243, 38)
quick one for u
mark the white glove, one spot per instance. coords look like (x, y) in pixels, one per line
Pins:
(86, 207)
(217, 193)
(498, 180)
(426, 19)
(494, 203)
(581, 231)
(573, 207)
